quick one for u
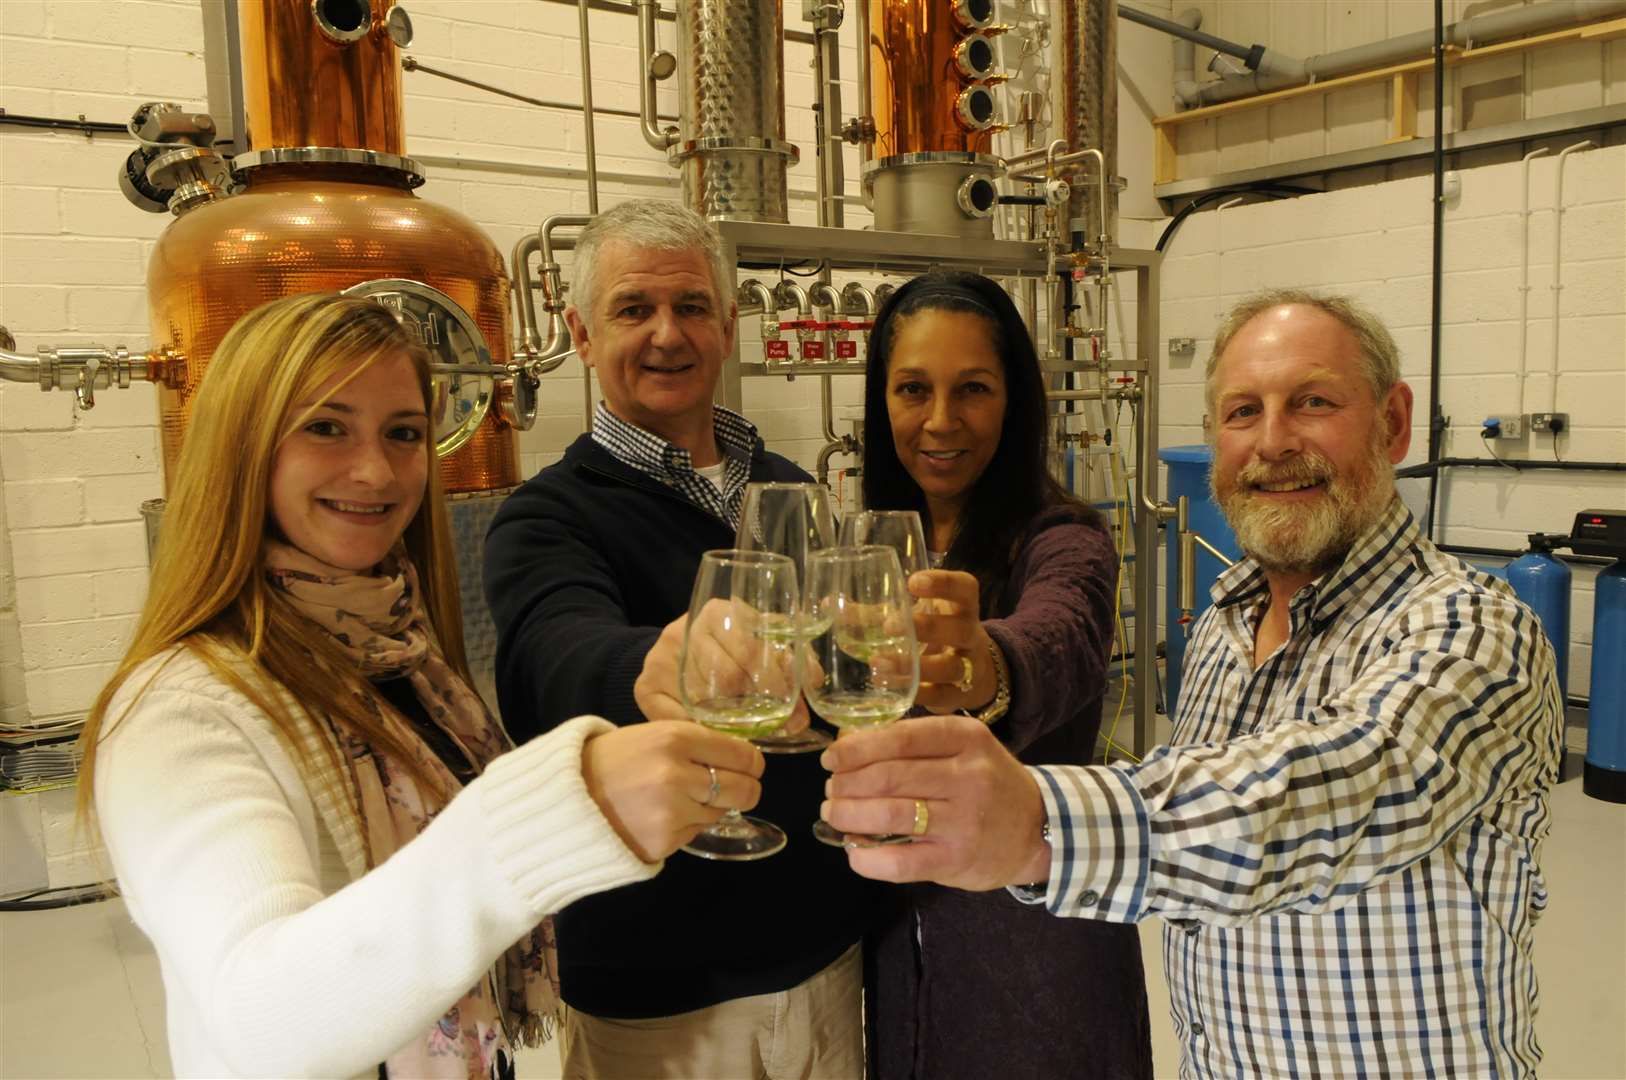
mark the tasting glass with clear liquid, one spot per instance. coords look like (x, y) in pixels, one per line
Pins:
(792, 520)
(865, 670)
(899, 530)
(739, 672)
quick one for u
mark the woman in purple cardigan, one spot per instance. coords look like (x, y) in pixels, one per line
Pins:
(1017, 626)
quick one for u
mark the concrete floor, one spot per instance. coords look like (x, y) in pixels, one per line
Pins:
(80, 994)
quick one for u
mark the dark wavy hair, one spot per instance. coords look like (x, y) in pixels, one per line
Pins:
(1016, 486)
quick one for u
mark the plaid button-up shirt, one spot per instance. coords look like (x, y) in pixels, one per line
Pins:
(673, 466)
(1344, 841)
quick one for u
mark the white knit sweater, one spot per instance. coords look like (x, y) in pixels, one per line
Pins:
(273, 964)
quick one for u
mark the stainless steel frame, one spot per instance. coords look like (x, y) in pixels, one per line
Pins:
(871, 252)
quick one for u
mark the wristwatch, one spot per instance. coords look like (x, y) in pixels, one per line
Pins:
(1001, 704)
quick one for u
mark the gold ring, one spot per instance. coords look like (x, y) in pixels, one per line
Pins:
(923, 818)
(966, 671)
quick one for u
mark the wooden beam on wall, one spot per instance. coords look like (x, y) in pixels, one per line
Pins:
(1592, 32)
(1166, 155)
(1403, 107)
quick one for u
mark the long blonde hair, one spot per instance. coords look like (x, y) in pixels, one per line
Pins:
(209, 593)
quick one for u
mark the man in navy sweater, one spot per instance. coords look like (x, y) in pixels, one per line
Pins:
(710, 969)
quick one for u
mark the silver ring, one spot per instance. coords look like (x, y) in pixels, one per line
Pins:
(716, 788)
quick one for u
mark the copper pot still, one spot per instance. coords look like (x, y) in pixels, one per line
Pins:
(326, 203)
(932, 73)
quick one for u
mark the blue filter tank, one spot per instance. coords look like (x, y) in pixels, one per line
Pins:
(1188, 476)
(1543, 583)
(1605, 771)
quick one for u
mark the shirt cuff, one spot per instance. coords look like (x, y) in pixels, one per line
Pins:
(1100, 843)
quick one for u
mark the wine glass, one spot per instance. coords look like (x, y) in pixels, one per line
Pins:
(865, 671)
(897, 529)
(792, 520)
(739, 672)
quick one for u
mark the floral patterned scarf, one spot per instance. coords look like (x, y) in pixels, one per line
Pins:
(378, 619)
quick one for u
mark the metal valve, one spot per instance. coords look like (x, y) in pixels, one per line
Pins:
(1057, 192)
(773, 346)
(89, 368)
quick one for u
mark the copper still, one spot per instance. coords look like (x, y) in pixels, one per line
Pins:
(1089, 86)
(326, 202)
(932, 68)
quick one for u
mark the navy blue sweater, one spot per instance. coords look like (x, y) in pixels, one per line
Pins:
(584, 565)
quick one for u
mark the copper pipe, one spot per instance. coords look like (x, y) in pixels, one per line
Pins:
(288, 59)
(866, 110)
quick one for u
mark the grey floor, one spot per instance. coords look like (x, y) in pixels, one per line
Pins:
(80, 994)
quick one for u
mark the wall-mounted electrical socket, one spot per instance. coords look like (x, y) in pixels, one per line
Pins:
(1182, 346)
(1549, 423)
(1504, 427)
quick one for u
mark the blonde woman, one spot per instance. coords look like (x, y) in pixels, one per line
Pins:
(343, 864)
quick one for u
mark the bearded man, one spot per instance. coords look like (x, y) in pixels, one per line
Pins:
(1343, 836)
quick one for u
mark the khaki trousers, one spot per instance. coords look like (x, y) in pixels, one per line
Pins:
(813, 1031)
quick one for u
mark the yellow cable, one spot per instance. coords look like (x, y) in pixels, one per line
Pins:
(1122, 511)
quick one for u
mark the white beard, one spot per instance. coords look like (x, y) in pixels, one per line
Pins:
(1314, 536)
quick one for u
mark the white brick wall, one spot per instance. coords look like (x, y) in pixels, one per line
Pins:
(1373, 242)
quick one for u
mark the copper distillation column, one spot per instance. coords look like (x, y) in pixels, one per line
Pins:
(932, 69)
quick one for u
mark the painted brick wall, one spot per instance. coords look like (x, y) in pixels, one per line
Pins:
(1373, 243)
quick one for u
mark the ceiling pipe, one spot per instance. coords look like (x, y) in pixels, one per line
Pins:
(1477, 30)
(1254, 57)
(1185, 60)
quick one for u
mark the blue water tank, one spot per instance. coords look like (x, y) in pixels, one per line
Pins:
(1605, 774)
(1543, 583)
(1188, 476)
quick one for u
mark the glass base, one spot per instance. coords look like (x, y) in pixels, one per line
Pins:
(807, 741)
(826, 833)
(737, 838)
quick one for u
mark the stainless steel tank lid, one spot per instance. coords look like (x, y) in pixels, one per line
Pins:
(329, 155)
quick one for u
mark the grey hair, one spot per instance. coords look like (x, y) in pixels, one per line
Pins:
(652, 225)
(1380, 357)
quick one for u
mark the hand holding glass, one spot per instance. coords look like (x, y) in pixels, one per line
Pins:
(865, 671)
(739, 672)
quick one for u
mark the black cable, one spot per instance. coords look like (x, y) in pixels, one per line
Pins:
(1429, 468)
(1021, 200)
(1267, 188)
(1436, 414)
(787, 267)
(1485, 437)
(56, 123)
(60, 897)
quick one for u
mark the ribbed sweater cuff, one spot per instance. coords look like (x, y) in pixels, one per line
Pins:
(547, 835)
